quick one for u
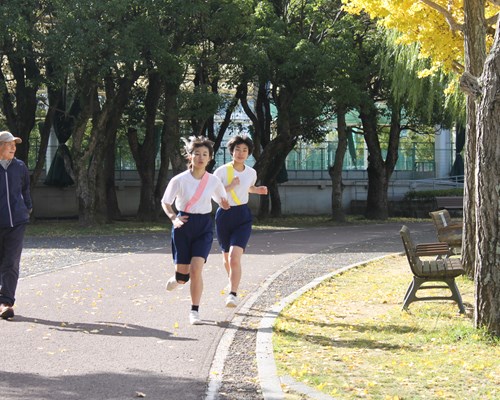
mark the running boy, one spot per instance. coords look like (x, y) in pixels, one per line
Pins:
(234, 225)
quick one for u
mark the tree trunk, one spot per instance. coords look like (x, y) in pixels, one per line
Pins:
(274, 196)
(376, 200)
(145, 153)
(20, 118)
(112, 210)
(97, 171)
(44, 142)
(105, 126)
(380, 171)
(263, 111)
(335, 170)
(82, 154)
(261, 123)
(170, 143)
(487, 207)
(475, 55)
(144, 156)
(91, 188)
(268, 167)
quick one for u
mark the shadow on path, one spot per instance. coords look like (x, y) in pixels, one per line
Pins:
(99, 386)
(102, 328)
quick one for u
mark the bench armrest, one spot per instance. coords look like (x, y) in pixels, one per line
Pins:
(432, 249)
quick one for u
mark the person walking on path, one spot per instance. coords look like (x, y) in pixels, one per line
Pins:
(192, 225)
(15, 209)
(234, 226)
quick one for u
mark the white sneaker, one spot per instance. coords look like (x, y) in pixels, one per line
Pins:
(194, 318)
(172, 284)
(231, 301)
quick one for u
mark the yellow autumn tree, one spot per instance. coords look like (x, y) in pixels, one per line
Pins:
(463, 36)
(435, 25)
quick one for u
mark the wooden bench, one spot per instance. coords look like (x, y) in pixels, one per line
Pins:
(450, 202)
(447, 231)
(439, 269)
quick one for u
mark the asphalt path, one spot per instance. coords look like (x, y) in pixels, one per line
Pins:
(102, 326)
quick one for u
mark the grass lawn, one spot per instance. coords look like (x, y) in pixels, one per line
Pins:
(349, 338)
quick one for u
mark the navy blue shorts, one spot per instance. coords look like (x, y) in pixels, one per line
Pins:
(233, 226)
(193, 239)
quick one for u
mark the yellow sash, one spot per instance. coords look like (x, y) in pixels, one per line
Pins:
(230, 177)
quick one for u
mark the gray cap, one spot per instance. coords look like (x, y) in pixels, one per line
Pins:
(9, 137)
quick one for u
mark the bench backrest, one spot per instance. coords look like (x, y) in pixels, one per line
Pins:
(441, 218)
(413, 260)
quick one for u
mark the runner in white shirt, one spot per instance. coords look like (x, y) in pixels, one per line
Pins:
(192, 225)
(234, 226)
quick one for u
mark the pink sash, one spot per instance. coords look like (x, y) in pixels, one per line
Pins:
(198, 193)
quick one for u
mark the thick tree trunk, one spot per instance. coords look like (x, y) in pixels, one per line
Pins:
(145, 153)
(274, 196)
(85, 197)
(380, 171)
(475, 55)
(376, 200)
(91, 187)
(105, 126)
(268, 167)
(335, 170)
(487, 207)
(98, 172)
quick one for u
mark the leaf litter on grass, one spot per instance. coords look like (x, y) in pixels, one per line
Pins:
(349, 338)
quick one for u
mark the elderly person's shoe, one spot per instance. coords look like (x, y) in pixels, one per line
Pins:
(6, 311)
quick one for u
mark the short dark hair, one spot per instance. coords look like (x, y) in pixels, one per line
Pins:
(194, 142)
(240, 139)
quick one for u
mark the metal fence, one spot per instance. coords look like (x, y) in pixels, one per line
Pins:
(312, 161)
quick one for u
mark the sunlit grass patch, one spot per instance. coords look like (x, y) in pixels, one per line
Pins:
(349, 338)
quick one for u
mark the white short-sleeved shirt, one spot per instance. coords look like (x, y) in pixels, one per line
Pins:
(248, 177)
(182, 187)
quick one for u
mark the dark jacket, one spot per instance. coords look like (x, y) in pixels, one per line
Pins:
(15, 198)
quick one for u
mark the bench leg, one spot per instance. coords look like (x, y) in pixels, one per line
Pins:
(410, 295)
(416, 283)
(455, 294)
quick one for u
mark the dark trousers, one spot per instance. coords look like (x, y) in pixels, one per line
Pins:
(11, 246)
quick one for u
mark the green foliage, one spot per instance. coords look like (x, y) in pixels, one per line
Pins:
(201, 103)
(423, 96)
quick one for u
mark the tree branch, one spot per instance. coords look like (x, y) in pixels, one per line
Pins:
(454, 25)
(458, 67)
(470, 84)
(493, 19)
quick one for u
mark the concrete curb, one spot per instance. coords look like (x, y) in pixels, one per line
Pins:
(269, 380)
(216, 371)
